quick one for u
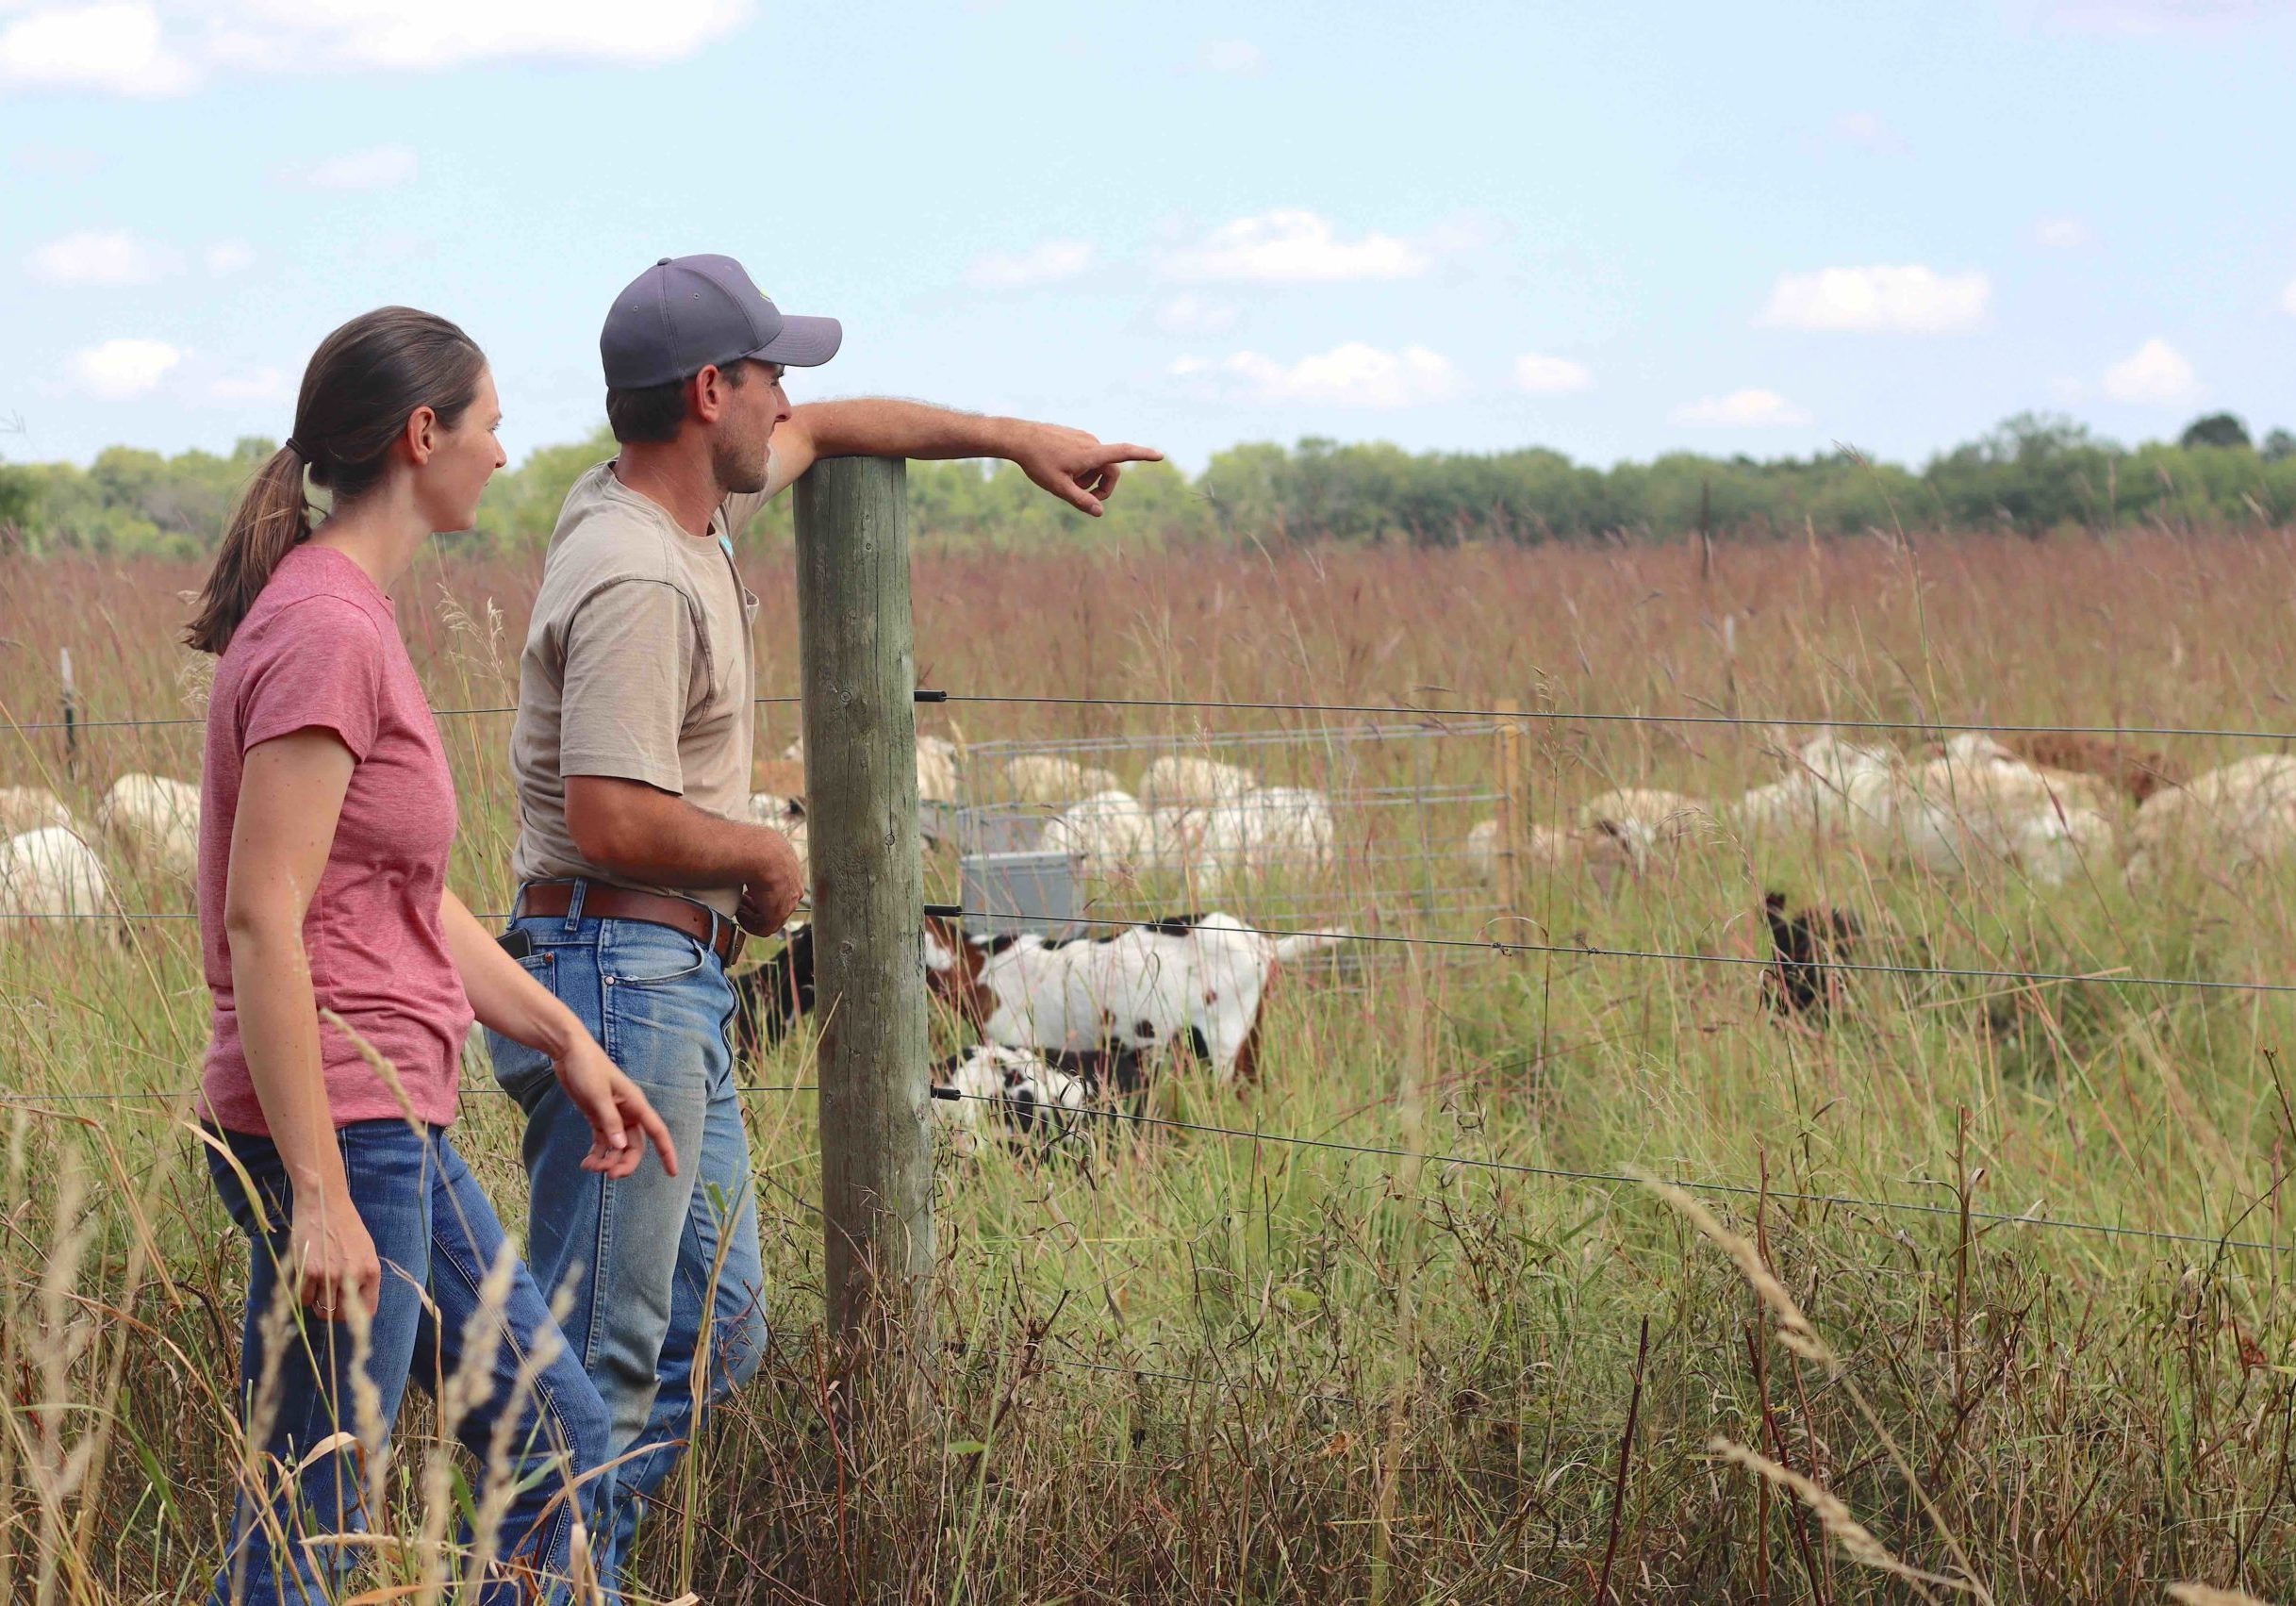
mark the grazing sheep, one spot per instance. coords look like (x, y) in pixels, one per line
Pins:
(155, 823)
(1601, 854)
(1114, 833)
(2228, 818)
(1047, 779)
(1831, 787)
(53, 872)
(1269, 828)
(1012, 1093)
(1648, 821)
(30, 808)
(2137, 772)
(787, 816)
(936, 770)
(937, 766)
(1982, 805)
(1185, 782)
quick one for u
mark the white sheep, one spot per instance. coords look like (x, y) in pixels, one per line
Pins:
(52, 872)
(1040, 778)
(153, 822)
(1269, 828)
(1183, 781)
(1649, 822)
(1831, 787)
(937, 766)
(1600, 853)
(1114, 833)
(1981, 805)
(2242, 814)
(29, 808)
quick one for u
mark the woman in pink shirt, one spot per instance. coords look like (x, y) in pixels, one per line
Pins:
(332, 942)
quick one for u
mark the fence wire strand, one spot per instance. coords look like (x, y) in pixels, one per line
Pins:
(1510, 1167)
(1545, 715)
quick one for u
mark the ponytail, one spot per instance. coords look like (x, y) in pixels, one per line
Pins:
(272, 519)
(364, 382)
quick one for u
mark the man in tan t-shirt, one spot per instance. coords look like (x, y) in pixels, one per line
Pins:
(635, 860)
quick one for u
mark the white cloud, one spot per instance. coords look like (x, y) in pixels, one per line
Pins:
(117, 370)
(1048, 263)
(98, 257)
(165, 47)
(2061, 234)
(1194, 315)
(117, 47)
(254, 384)
(1867, 128)
(382, 168)
(1293, 246)
(1231, 55)
(2154, 375)
(1910, 300)
(1550, 376)
(1350, 375)
(227, 256)
(1742, 409)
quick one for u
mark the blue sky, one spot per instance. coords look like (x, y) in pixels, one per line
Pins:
(1613, 230)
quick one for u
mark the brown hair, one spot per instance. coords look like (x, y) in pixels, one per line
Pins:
(650, 416)
(364, 382)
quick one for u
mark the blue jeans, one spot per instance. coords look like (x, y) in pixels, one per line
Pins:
(654, 1259)
(438, 1240)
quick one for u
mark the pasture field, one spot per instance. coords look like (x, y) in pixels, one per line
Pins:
(1453, 1351)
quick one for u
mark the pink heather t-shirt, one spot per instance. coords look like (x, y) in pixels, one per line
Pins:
(320, 649)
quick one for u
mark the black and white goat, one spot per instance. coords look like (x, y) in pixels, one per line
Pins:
(1016, 1094)
(1195, 983)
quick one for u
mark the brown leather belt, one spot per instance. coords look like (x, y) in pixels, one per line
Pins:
(708, 927)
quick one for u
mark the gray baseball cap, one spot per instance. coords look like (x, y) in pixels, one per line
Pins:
(688, 313)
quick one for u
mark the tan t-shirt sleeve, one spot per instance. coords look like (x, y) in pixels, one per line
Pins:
(629, 673)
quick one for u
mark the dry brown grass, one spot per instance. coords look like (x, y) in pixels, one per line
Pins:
(1207, 1367)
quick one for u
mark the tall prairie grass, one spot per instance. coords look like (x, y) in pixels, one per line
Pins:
(1178, 1364)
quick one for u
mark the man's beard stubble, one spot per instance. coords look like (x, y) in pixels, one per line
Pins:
(741, 469)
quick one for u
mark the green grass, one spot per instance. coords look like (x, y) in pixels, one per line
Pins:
(1205, 1367)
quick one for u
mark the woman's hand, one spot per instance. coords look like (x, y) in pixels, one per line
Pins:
(332, 1258)
(611, 1103)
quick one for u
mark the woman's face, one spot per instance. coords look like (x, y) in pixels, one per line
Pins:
(462, 461)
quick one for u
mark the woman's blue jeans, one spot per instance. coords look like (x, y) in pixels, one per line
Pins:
(438, 1240)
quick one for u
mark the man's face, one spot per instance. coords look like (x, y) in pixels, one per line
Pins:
(745, 432)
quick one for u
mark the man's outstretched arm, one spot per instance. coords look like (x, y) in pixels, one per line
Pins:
(1078, 468)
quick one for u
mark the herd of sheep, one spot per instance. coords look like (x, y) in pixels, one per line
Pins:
(2049, 810)
(53, 865)
(2063, 808)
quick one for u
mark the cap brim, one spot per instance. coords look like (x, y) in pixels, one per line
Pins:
(803, 342)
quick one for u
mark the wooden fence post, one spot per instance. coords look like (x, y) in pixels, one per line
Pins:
(857, 647)
(1514, 822)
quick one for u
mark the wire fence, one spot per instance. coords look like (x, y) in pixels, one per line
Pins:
(1301, 826)
(1422, 1157)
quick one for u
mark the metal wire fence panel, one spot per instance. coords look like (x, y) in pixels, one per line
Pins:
(1357, 824)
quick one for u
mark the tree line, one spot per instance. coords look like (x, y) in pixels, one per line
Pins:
(2033, 473)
